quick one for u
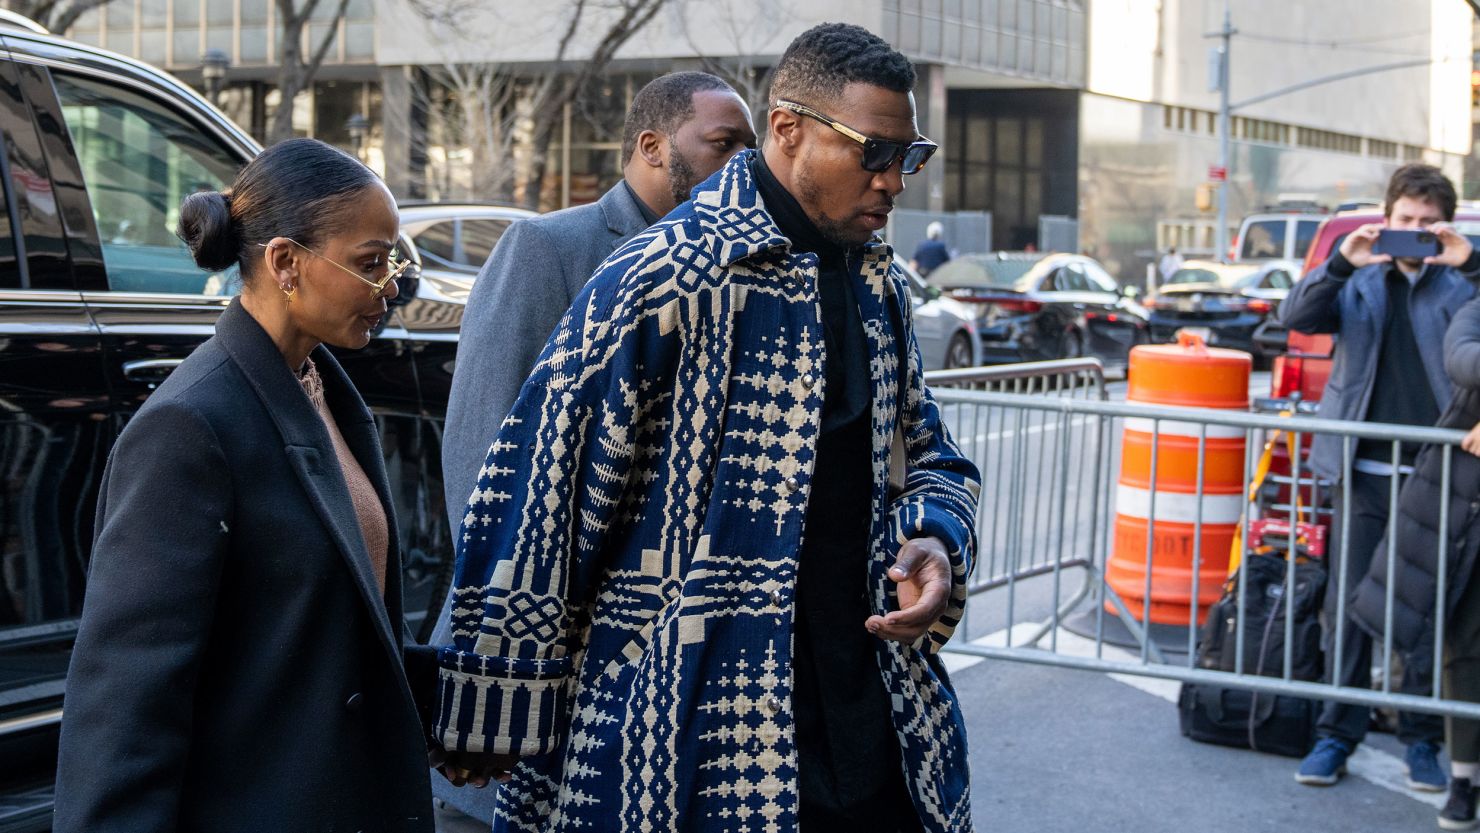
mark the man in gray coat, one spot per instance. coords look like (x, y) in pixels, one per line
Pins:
(681, 128)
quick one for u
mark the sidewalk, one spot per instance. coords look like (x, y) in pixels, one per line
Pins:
(1062, 751)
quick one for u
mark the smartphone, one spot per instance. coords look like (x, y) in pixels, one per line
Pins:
(1415, 245)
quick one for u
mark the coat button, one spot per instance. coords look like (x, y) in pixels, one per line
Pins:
(773, 704)
(808, 380)
(354, 702)
(777, 598)
(792, 485)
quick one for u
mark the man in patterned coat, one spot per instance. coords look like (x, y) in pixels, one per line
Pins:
(720, 538)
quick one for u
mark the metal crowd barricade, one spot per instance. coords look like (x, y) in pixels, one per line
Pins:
(1041, 531)
(1049, 463)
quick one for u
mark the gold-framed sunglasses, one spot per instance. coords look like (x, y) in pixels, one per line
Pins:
(395, 265)
(878, 154)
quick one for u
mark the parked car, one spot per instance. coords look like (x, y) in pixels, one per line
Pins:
(1030, 306)
(1275, 236)
(1235, 302)
(944, 326)
(98, 303)
(454, 240)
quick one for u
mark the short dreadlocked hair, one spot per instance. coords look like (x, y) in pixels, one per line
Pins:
(664, 104)
(826, 58)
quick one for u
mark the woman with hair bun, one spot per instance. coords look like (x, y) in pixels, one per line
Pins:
(239, 664)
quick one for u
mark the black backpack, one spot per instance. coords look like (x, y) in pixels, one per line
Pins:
(1277, 723)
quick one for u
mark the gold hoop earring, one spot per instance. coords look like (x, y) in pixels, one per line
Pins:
(289, 292)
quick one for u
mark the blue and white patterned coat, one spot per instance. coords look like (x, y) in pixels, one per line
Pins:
(628, 561)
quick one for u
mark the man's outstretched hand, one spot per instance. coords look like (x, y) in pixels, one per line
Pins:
(923, 572)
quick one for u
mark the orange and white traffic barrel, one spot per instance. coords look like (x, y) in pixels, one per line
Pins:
(1184, 374)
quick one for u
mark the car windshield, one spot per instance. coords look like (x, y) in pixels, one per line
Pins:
(1011, 273)
(1228, 277)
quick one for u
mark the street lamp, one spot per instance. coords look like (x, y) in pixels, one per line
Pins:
(213, 66)
(358, 127)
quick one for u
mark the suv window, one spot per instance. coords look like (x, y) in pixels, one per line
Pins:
(8, 265)
(1278, 279)
(479, 236)
(1099, 279)
(1265, 238)
(438, 242)
(140, 160)
(1074, 279)
(1305, 233)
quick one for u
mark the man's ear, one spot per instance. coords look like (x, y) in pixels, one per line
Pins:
(785, 130)
(652, 148)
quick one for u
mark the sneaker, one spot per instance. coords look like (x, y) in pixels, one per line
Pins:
(1424, 773)
(1325, 764)
(1459, 811)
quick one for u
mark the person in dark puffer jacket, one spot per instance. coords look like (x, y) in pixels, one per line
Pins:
(1416, 573)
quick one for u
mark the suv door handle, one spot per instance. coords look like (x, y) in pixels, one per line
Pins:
(152, 371)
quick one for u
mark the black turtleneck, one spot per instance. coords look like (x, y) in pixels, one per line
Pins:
(848, 753)
(648, 215)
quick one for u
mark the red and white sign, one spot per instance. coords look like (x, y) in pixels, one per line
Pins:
(1217, 173)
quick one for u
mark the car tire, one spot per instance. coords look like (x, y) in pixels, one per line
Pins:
(958, 353)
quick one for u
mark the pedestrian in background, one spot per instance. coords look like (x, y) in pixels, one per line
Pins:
(932, 251)
(1391, 317)
(1414, 545)
(642, 638)
(238, 666)
(1170, 263)
(682, 127)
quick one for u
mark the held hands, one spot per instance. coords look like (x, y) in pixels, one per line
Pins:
(476, 768)
(923, 572)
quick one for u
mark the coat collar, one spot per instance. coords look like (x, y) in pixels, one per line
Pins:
(736, 223)
(311, 452)
(622, 214)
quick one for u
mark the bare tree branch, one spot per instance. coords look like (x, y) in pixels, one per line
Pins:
(294, 75)
(494, 124)
(753, 29)
(635, 15)
(323, 50)
(56, 15)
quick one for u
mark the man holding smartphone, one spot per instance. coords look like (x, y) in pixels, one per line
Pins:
(1390, 313)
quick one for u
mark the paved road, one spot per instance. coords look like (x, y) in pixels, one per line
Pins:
(1059, 751)
(1074, 751)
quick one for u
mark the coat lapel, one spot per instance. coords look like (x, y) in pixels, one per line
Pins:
(623, 218)
(311, 453)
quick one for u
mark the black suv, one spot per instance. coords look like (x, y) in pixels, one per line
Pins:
(98, 302)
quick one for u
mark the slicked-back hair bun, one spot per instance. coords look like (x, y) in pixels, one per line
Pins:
(302, 189)
(208, 230)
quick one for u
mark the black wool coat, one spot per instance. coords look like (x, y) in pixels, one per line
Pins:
(236, 668)
(1414, 542)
